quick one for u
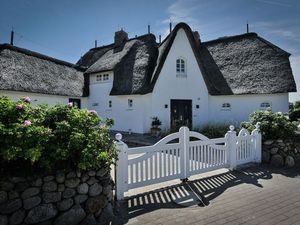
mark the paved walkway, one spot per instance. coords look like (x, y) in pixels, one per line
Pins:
(256, 195)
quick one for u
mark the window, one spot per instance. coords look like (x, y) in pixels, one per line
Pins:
(180, 67)
(99, 77)
(109, 104)
(76, 102)
(102, 77)
(130, 103)
(105, 77)
(265, 105)
(226, 106)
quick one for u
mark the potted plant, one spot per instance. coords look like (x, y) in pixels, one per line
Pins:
(155, 129)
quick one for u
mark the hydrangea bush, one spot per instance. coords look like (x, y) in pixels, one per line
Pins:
(51, 137)
(273, 125)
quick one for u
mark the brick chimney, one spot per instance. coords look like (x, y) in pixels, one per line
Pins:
(120, 38)
(197, 37)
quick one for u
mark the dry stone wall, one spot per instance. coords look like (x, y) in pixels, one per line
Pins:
(279, 153)
(61, 198)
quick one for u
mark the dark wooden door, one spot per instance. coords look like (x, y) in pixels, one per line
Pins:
(181, 114)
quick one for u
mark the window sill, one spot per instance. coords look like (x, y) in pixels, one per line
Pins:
(225, 109)
(129, 109)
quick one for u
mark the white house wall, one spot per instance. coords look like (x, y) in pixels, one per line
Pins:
(243, 105)
(191, 87)
(126, 119)
(37, 98)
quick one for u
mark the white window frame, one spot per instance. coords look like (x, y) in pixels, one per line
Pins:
(181, 62)
(265, 105)
(102, 78)
(130, 103)
(226, 106)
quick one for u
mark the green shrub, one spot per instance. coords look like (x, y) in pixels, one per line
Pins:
(272, 125)
(213, 130)
(53, 137)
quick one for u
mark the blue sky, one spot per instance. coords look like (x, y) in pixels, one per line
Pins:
(66, 29)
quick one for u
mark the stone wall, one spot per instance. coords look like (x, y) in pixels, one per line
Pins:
(61, 198)
(279, 153)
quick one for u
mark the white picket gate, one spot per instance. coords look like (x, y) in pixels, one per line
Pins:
(181, 155)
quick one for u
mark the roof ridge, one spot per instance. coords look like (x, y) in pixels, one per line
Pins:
(228, 38)
(130, 39)
(38, 55)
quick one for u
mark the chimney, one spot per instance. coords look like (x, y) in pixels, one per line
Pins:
(96, 44)
(170, 27)
(12, 37)
(159, 37)
(120, 38)
(148, 29)
(247, 27)
(197, 37)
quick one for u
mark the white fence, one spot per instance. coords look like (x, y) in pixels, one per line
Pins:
(181, 155)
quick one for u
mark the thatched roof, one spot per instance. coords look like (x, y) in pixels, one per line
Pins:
(133, 64)
(246, 64)
(24, 70)
(242, 64)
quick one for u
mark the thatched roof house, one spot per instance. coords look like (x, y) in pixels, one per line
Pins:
(242, 64)
(28, 71)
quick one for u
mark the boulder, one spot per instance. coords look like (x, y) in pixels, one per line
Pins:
(6, 186)
(3, 220)
(268, 142)
(65, 204)
(277, 161)
(61, 187)
(93, 205)
(102, 172)
(48, 178)
(80, 199)
(17, 217)
(13, 195)
(31, 202)
(30, 192)
(41, 213)
(3, 197)
(72, 182)
(92, 181)
(22, 186)
(37, 183)
(11, 206)
(60, 177)
(274, 150)
(89, 220)
(49, 197)
(71, 175)
(107, 215)
(289, 161)
(68, 193)
(95, 189)
(83, 188)
(92, 173)
(50, 186)
(85, 177)
(107, 189)
(266, 156)
(72, 217)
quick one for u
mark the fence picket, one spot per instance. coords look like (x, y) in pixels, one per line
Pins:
(165, 161)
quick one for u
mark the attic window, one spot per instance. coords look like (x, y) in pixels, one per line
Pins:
(102, 77)
(226, 106)
(180, 67)
(265, 105)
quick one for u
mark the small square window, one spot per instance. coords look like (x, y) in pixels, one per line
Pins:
(130, 103)
(99, 77)
(109, 104)
(197, 106)
(166, 106)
